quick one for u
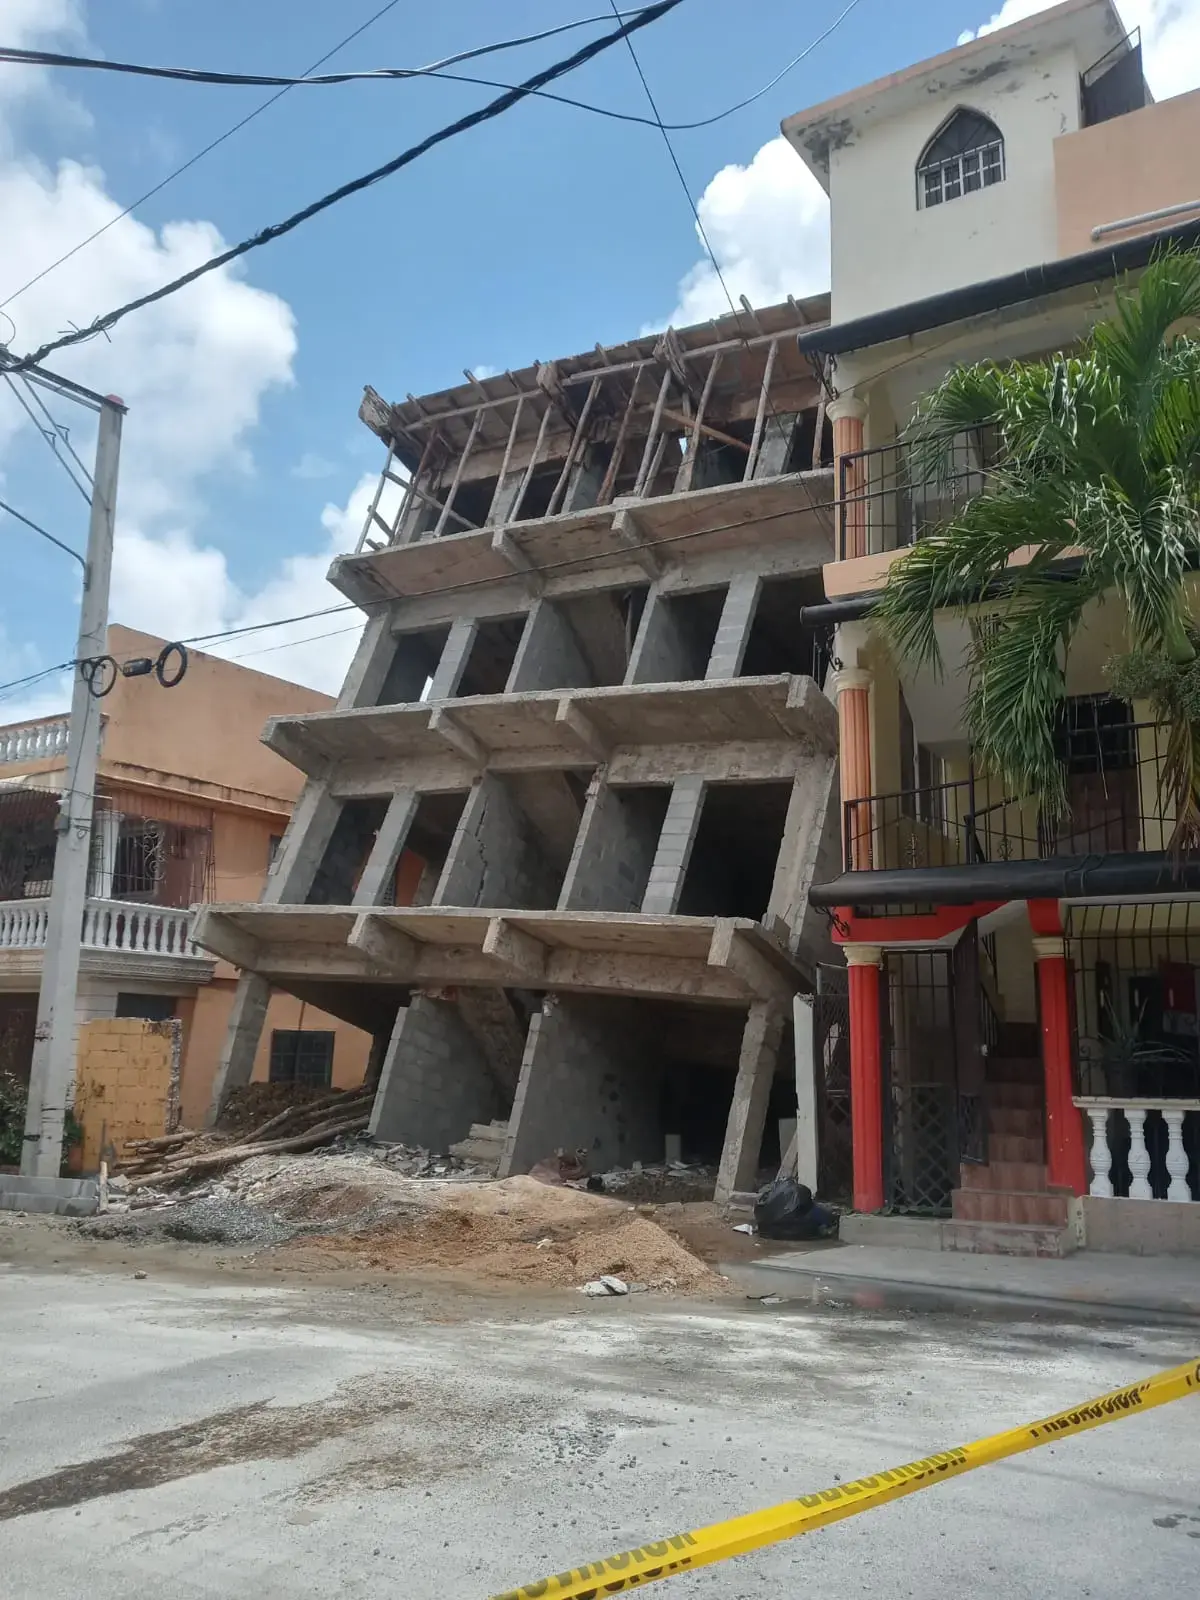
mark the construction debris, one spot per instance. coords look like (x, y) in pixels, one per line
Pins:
(597, 1288)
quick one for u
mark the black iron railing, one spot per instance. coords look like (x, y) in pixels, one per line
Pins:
(1117, 804)
(887, 500)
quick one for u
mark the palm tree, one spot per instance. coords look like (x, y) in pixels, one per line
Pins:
(1096, 494)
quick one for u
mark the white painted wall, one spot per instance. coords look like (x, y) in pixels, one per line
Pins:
(886, 252)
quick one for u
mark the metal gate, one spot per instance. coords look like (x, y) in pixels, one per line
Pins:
(831, 1049)
(920, 1081)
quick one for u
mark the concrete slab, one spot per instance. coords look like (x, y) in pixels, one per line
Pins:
(1166, 1288)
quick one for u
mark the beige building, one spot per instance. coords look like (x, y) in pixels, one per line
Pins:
(191, 806)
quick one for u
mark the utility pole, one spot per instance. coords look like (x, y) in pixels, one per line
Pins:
(53, 1067)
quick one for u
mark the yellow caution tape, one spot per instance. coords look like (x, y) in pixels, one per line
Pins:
(721, 1540)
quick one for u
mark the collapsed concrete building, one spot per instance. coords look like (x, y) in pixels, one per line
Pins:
(556, 840)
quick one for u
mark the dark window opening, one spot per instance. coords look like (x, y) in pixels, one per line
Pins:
(800, 458)
(347, 851)
(718, 462)
(274, 841)
(491, 657)
(535, 501)
(965, 155)
(1097, 743)
(426, 847)
(413, 665)
(639, 822)
(149, 1007)
(778, 641)
(302, 1056)
(733, 859)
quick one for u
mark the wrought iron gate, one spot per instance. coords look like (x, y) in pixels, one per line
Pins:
(920, 1081)
(831, 1049)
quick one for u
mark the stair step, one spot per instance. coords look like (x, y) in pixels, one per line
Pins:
(1016, 1147)
(1007, 1239)
(1015, 1096)
(1024, 1176)
(496, 1131)
(1039, 1208)
(1019, 1122)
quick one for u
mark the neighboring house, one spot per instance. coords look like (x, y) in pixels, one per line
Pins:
(1021, 1000)
(190, 806)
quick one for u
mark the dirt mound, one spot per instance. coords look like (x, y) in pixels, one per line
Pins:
(516, 1231)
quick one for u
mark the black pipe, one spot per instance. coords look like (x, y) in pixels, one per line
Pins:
(975, 299)
(1064, 878)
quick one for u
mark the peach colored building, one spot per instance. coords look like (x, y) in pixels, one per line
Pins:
(191, 807)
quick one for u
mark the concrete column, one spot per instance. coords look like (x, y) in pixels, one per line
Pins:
(674, 847)
(1066, 1160)
(303, 846)
(738, 1170)
(733, 630)
(661, 652)
(242, 1034)
(548, 656)
(848, 414)
(435, 1081)
(365, 679)
(454, 659)
(505, 497)
(776, 444)
(814, 791)
(866, 1074)
(613, 854)
(589, 1080)
(379, 874)
(808, 1090)
(852, 687)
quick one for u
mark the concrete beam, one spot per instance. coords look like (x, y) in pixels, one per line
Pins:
(518, 952)
(507, 547)
(212, 931)
(733, 952)
(572, 720)
(384, 944)
(632, 536)
(443, 723)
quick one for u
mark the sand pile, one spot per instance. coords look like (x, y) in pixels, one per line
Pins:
(516, 1231)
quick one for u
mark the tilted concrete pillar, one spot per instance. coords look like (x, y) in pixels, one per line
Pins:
(242, 1034)
(733, 630)
(548, 656)
(674, 850)
(738, 1171)
(379, 875)
(661, 652)
(454, 659)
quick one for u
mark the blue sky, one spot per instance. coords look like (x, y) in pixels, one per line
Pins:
(532, 237)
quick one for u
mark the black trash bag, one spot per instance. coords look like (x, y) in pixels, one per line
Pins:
(786, 1210)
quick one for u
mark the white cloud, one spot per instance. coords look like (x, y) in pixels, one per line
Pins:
(768, 225)
(311, 466)
(482, 369)
(1170, 37)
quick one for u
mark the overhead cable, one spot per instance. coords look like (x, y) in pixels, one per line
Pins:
(473, 119)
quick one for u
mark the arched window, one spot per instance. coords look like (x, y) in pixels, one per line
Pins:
(966, 153)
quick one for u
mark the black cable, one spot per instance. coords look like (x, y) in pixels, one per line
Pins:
(50, 58)
(199, 156)
(485, 114)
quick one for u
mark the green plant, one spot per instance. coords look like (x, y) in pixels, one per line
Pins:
(13, 1096)
(1095, 495)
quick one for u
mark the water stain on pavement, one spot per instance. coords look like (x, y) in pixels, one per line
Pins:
(258, 1431)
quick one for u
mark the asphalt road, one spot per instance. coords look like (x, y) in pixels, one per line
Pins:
(246, 1441)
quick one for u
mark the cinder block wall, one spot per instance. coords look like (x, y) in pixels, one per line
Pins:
(494, 859)
(435, 1081)
(590, 1079)
(127, 1083)
(614, 852)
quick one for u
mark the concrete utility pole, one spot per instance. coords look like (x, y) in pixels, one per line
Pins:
(53, 1066)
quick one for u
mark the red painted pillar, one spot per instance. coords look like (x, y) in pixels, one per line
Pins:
(1066, 1162)
(866, 1075)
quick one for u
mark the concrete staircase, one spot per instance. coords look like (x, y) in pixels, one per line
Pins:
(63, 1197)
(1007, 1207)
(484, 1145)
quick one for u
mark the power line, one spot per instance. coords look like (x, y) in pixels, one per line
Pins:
(485, 114)
(199, 156)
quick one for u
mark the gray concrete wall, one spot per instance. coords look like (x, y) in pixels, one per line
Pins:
(435, 1081)
(548, 656)
(589, 1079)
(614, 851)
(1142, 1227)
(663, 651)
(495, 858)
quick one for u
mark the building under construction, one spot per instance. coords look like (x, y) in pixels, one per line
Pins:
(556, 840)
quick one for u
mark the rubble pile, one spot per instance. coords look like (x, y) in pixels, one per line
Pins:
(660, 1183)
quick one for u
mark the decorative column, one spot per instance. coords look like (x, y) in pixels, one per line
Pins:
(852, 687)
(1101, 1155)
(1139, 1156)
(1177, 1160)
(847, 414)
(1065, 1163)
(866, 1075)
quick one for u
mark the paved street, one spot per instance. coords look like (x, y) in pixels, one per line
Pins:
(236, 1440)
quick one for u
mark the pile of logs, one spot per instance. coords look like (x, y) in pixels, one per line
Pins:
(169, 1160)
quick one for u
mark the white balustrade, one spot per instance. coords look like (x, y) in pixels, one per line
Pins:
(32, 741)
(1104, 1116)
(115, 926)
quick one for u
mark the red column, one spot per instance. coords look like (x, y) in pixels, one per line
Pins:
(1066, 1163)
(866, 1075)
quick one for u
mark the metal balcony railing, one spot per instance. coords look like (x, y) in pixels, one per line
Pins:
(887, 502)
(1116, 805)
